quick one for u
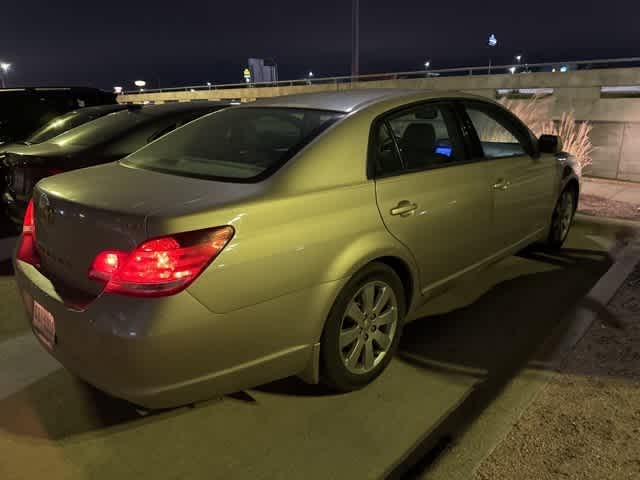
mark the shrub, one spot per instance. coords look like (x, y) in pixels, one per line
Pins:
(536, 113)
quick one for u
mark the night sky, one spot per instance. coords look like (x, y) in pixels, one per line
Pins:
(110, 43)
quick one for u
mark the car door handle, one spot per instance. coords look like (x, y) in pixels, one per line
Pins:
(501, 184)
(404, 208)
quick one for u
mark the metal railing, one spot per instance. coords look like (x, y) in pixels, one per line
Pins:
(445, 72)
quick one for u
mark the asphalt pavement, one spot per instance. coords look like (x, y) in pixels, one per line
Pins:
(451, 367)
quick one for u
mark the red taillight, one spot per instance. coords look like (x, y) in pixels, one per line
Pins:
(106, 263)
(27, 249)
(162, 266)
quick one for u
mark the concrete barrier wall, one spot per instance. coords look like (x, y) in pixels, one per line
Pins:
(616, 121)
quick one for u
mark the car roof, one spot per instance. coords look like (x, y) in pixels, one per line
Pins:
(112, 107)
(352, 100)
(162, 109)
(51, 89)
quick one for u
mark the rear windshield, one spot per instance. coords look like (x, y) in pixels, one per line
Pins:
(61, 124)
(104, 128)
(241, 144)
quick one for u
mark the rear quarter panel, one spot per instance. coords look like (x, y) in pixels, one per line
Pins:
(288, 244)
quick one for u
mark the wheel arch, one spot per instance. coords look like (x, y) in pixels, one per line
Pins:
(570, 180)
(375, 247)
(573, 184)
(405, 275)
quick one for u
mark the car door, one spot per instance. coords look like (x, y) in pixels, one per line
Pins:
(431, 196)
(521, 180)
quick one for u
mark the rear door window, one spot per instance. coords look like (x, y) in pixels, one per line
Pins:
(419, 138)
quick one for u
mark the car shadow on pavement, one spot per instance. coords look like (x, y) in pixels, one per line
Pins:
(496, 337)
(505, 326)
(58, 406)
(295, 386)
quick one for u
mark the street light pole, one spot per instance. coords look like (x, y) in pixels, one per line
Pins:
(493, 41)
(355, 39)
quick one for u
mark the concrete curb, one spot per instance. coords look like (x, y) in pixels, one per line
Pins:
(581, 217)
(601, 294)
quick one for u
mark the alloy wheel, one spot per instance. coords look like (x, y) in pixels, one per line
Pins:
(368, 327)
(565, 214)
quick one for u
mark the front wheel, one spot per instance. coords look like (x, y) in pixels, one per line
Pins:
(363, 329)
(562, 218)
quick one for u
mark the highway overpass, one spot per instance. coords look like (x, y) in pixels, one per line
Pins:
(607, 97)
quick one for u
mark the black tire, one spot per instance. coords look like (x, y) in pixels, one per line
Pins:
(333, 371)
(557, 235)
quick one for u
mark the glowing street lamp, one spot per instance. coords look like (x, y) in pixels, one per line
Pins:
(117, 90)
(512, 70)
(310, 74)
(140, 84)
(518, 58)
(5, 67)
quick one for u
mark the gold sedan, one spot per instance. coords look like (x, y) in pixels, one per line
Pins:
(292, 236)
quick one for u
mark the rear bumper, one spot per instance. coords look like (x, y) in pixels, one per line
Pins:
(164, 352)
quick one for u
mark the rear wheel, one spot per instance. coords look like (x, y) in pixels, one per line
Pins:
(363, 328)
(562, 218)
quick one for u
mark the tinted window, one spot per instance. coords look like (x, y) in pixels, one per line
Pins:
(427, 137)
(238, 143)
(104, 128)
(61, 124)
(498, 137)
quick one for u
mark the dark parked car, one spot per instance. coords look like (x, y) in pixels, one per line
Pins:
(104, 140)
(54, 128)
(24, 110)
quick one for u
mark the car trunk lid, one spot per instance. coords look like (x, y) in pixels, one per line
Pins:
(81, 213)
(26, 165)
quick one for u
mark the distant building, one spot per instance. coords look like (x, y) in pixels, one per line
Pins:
(261, 72)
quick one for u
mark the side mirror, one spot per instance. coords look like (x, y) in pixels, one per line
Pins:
(550, 144)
